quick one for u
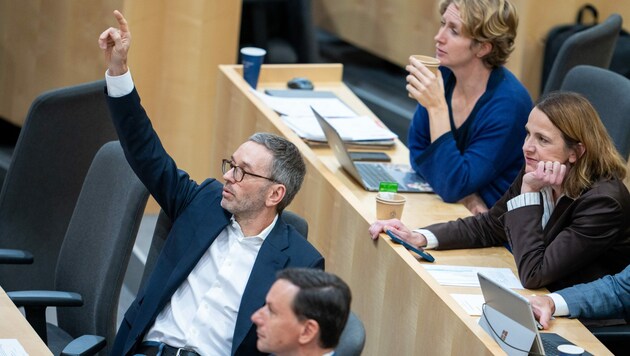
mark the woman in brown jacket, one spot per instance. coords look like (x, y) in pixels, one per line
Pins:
(566, 217)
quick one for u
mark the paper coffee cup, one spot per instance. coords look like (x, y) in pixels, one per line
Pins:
(569, 350)
(252, 59)
(389, 206)
(430, 62)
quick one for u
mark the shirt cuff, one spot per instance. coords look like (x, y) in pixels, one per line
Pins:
(525, 199)
(119, 85)
(432, 241)
(562, 308)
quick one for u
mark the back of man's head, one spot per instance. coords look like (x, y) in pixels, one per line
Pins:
(287, 167)
(323, 297)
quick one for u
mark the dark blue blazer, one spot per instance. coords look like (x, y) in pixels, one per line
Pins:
(198, 218)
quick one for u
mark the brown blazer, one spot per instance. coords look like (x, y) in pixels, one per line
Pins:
(584, 239)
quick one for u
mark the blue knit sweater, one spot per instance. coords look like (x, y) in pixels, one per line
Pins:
(484, 155)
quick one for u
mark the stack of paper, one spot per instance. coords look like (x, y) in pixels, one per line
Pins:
(357, 128)
(301, 106)
(466, 276)
(297, 114)
(11, 347)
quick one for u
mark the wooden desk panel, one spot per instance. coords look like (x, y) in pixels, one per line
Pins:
(176, 48)
(14, 326)
(403, 309)
(395, 29)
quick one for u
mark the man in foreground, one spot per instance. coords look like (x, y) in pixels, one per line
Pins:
(305, 313)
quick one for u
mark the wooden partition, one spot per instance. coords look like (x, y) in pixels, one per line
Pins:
(176, 48)
(404, 310)
(174, 57)
(46, 45)
(395, 29)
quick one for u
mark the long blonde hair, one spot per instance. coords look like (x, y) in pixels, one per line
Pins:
(578, 121)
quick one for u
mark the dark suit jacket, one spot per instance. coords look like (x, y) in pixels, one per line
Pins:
(198, 218)
(585, 238)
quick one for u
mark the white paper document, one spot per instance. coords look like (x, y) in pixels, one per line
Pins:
(327, 107)
(11, 347)
(358, 128)
(466, 276)
(471, 303)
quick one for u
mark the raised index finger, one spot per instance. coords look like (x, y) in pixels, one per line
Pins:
(122, 22)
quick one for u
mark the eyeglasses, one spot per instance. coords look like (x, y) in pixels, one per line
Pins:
(239, 173)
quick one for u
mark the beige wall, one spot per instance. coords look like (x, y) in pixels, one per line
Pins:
(394, 29)
(176, 49)
(174, 59)
(45, 45)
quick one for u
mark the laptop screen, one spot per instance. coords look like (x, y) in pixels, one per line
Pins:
(508, 318)
(338, 147)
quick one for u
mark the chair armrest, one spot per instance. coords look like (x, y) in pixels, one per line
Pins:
(35, 303)
(18, 257)
(85, 345)
(614, 332)
(45, 298)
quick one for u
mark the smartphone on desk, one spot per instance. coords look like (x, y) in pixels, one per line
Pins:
(369, 156)
(419, 251)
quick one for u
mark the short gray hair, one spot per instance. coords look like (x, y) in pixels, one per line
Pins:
(288, 166)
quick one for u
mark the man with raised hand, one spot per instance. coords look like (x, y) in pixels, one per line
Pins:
(228, 239)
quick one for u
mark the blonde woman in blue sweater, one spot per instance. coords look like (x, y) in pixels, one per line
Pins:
(466, 134)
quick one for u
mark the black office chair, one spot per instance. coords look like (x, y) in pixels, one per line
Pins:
(162, 228)
(62, 132)
(298, 222)
(608, 92)
(93, 259)
(352, 338)
(283, 27)
(616, 338)
(594, 46)
(8, 138)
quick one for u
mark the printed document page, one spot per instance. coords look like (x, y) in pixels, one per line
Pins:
(358, 128)
(466, 276)
(327, 107)
(11, 347)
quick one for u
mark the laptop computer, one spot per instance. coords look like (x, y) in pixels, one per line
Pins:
(371, 174)
(507, 316)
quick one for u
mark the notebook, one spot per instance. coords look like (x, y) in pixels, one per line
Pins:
(508, 318)
(371, 174)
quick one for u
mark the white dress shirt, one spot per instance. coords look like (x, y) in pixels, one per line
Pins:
(562, 308)
(201, 315)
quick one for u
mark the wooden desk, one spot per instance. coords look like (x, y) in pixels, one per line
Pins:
(403, 309)
(14, 326)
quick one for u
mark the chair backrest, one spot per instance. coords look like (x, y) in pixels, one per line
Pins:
(97, 247)
(616, 338)
(593, 46)
(162, 228)
(285, 28)
(298, 222)
(352, 338)
(62, 132)
(608, 92)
